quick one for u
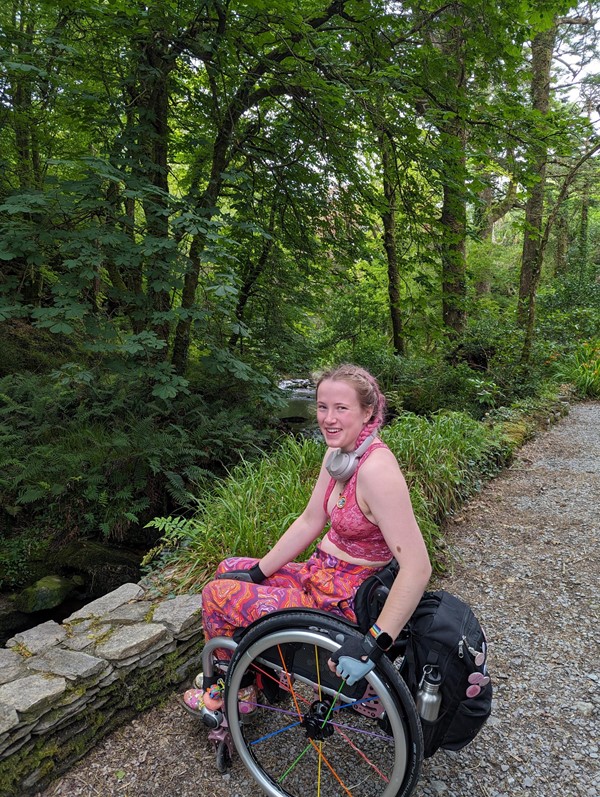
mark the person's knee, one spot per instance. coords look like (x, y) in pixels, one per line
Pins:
(234, 563)
(223, 567)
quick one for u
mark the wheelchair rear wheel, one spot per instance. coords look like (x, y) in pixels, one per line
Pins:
(310, 733)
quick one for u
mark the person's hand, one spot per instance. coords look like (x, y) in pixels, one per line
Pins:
(356, 658)
(254, 575)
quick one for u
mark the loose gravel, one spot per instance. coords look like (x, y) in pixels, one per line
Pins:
(526, 557)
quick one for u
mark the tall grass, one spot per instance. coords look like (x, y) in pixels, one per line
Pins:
(581, 368)
(443, 458)
(244, 515)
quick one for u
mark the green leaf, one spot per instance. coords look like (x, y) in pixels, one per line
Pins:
(61, 327)
(20, 67)
(164, 391)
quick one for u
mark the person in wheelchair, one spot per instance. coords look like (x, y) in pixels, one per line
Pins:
(361, 493)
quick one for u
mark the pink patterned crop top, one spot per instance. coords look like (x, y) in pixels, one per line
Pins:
(351, 531)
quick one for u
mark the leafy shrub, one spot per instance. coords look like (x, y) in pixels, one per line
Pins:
(426, 384)
(17, 556)
(581, 368)
(479, 372)
(25, 348)
(499, 342)
(100, 457)
(569, 311)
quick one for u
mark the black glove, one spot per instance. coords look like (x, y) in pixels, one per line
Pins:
(356, 658)
(254, 575)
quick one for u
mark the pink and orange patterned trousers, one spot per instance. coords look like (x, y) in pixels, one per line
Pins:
(323, 582)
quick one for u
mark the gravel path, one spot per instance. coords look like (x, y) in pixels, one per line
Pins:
(527, 560)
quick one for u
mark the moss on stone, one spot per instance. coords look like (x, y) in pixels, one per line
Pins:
(32, 757)
(45, 757)
(22, 650)
(40, 760)
(99, 638)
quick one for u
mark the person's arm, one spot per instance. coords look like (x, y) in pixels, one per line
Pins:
(384, 491)
(302, 532)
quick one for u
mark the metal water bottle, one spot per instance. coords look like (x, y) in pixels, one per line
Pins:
(428, 696)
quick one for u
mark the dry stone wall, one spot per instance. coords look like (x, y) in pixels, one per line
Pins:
(63, 687)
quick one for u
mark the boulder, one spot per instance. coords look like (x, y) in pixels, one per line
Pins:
(104, 567)
(46, 593)
(11, 619)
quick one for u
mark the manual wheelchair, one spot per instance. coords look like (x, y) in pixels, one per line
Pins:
(310, 733)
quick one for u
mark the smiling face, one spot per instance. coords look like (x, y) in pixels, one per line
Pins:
(340, 415)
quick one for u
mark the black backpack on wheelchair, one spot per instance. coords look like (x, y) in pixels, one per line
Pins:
(442, 633)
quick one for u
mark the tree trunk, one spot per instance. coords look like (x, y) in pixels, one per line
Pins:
(153, 110)
(389, 244)
(483, 224)
(531, 260)
(562, 244)
(454, 228)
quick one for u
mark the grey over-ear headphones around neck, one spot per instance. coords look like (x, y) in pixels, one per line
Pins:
(342, 464)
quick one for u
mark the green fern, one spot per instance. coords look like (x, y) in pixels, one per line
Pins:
(102, 459)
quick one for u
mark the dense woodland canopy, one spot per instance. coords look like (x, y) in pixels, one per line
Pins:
(200, 198)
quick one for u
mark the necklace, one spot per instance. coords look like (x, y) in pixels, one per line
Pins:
(341, 503)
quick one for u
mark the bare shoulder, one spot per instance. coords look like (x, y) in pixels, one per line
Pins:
(381, 463)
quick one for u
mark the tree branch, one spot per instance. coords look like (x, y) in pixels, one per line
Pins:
(562, 195)
(575, 21)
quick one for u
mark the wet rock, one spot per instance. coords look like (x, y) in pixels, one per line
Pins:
(46, 593)
(104, 567)
(10, 617)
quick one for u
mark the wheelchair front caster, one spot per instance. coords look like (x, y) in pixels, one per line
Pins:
(223, 757)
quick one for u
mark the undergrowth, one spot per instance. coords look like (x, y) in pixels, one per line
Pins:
(97, 460)
(445, 459)
(581, 368)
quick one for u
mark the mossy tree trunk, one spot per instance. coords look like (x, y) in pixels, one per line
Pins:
(542, 49)
(388, 218)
